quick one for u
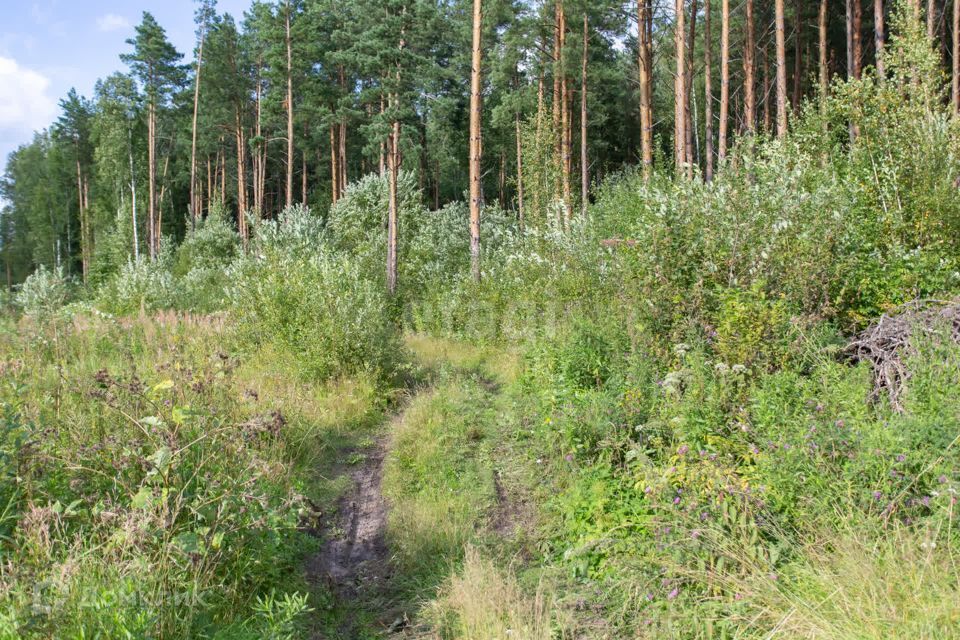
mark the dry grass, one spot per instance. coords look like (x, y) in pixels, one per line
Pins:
(483, 602)
(898, 585)
(501, 364)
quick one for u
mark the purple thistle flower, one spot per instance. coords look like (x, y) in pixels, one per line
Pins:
(901, 458)
(683, 450)
(673, 594)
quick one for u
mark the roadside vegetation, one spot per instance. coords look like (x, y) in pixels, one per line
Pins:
(647, 425)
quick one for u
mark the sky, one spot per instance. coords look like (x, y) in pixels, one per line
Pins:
(49, 46)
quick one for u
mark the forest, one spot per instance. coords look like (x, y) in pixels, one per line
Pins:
(489, 319)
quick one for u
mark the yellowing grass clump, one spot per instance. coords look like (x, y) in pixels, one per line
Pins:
(483, 602)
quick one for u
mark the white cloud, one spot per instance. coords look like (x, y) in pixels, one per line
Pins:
(112, 22)
(24, 103)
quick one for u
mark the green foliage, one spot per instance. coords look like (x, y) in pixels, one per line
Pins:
(140, 284)
(42, 294)
(321, 307)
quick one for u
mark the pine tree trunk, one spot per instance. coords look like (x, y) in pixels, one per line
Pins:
(566, 135)
(644, 15)
(956, 56)
(781, 71)
(194, 206)
(931, 20)
(259, 156)
(133, 196)
(724, 80)
(393, 159)
(584, 164)
(303, 177)
(383, 146)
(334, 169)
(290, 160)
(854, 53)
(749, 97)
(878, 34)
(476, 143)
(824, 66)
(708, 91)
(521, 204)
(83, 219)
(679, 88)
(557, 72)
(689, 128)
(241, 178)
(765, 96)
(797, 54)
(152, 178)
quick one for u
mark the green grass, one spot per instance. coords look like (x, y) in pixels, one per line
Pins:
(161, 478)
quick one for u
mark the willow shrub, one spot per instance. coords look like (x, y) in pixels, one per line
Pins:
(318, 303)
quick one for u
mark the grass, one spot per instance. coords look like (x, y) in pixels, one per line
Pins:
(160, 477)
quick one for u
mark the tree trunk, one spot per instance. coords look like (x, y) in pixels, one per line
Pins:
(334, 168)
(476, 143)
(584, 160)
(854, 53)
(824, 66)
(241, 178)
(383, 146)
(708, 91)
(688, 126)
(931, 20)
(84, 266)
(260, 154)
(557, 71)
(644, 15)
(679, 89)
(797, 53)
(956, 56)
(765, 96)
(520, 195)
(303, 177)
(566, 137)
(724, 79)
(781, 71)
(392, 214)
(133, 196)
(289, 40)
(194, 204)
(749, 97)
(152, 178)
(342, 141)
(879, 36)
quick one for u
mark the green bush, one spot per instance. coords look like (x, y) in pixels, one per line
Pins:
(322, 308)
(142, 284)
(43, 293)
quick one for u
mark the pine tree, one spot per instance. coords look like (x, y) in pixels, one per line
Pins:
(154, 63)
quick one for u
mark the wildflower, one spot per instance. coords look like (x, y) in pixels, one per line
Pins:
(683, 450)
(877, 495)
(942, 479)
(676, 500)
(569, 457)
(901, 458)
(839, 424)
(673, 594)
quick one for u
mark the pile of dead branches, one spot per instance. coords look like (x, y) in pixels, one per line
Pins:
(888, 343)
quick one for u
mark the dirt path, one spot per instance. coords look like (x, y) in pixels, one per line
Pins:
(356, 549)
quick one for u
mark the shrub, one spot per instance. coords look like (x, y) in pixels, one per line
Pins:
(43, 293)
(321, 308)
(140, 284)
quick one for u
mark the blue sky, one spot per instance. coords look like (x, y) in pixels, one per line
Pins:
(49, 46)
